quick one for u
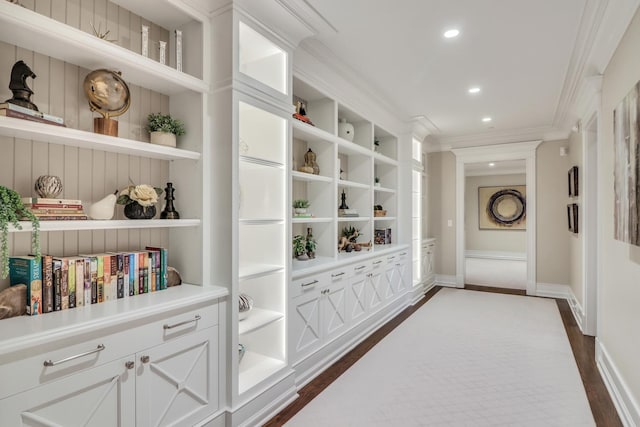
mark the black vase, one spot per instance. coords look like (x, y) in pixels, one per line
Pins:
(137, 211)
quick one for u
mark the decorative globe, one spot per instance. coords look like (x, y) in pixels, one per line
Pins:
(48, 186)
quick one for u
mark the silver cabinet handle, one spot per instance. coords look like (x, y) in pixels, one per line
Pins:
(398, 264)
(391, 257)
(58, 362)
(359, 268)
(338, 274)
(195, 319)
(144, 359)
(403, 253)
(129, 364)
(309, 284)
(377, 262)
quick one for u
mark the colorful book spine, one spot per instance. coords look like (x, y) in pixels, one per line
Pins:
(14, 107)
(73, 217)
(50, 201)
(141, 272)
(136, 273)
(94, 279)
(64, 284)
(87, 281)
(162, 268)
(71, 276)
(126, 270)
(119, 274)
(43, 212)
(79, 281)
(57, 284)
(26, 270)
(26, 116)
(152, 271)
(47, 286)
(100, 278)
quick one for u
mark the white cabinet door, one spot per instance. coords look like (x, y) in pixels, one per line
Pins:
(305, 331)
(176, 381)
(357, 300)
(334, 310)
(375, 290)
(101, 396)
(428, 254)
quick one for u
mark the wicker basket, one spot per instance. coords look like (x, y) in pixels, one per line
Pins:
(379, 213)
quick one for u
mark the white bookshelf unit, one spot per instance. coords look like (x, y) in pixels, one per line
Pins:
(133, 345)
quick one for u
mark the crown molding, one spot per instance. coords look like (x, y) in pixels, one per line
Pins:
(544, 133)
(492, 172)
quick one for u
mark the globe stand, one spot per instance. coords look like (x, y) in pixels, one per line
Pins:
(105, 126)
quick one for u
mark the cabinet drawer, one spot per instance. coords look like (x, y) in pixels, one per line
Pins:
(379, 263)
(340, 275)
(90, 350)
(360, 268)
(306, 284)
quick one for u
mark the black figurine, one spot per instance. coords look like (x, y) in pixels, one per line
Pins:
(18, 85)
(169, 211)
(343, 205)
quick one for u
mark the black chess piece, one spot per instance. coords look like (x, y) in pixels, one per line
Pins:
(169, 211)
(343, 205)
(18, 85)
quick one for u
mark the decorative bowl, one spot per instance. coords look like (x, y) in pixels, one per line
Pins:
(245, 305)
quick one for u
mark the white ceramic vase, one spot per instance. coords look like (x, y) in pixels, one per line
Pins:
(163, 138)
(345, 130)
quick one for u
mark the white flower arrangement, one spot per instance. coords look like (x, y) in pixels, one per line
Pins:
(143, 194)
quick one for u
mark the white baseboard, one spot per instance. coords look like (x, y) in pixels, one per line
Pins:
(508, 256)
(445, 280)
(552, 290)
(576, 309)
(627, 407)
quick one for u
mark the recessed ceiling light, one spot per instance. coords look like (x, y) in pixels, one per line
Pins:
(451, 33)
(486, 119)
(474, 89)
(492, 164)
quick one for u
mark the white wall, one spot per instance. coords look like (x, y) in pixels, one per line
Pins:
(441, 206)
(575, 240)
(619, 284)
(503, 240)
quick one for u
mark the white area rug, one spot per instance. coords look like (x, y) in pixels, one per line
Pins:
(464, 358)
(499, 273)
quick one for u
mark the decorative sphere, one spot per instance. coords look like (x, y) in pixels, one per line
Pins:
(48, 186)
(345, 130)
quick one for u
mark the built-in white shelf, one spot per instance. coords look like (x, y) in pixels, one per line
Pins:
(25, 129)
(353, 218)
(389, 247)
(255, 367)
(33, 31)
(310, 133)
(299, 266)
(107, 225)
(353, 254)
(384, 218)
(310, 220)
(258, 318)
(257, 270)
(352, 184)
(248, 160)
(303, 176)
(384, 190)
(263, 221)
(381, 158)
(347, 147)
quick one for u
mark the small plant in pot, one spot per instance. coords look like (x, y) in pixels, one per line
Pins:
(311, 246)
(300, 206)
(300, 247)
(164, 129)
(139, 201)
(12, 210)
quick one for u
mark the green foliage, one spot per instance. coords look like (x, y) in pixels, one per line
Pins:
(164, 123)
(377, 208)
(350, 233)
(301, 204)
(311, 245)
(12, 210)
(299, 245)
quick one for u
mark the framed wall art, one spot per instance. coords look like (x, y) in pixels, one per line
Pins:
(502, 208)
(572, 217)
(572, 176)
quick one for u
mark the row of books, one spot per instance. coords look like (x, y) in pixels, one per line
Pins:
(60, 283)
(47, 209)
(9, 109)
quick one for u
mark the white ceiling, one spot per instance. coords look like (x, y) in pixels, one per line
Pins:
(518, 51)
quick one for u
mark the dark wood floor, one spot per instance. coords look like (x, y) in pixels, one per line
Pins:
(583, 348)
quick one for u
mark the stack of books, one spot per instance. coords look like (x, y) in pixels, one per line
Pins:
(12, 110)
(61, 283)
(351, 213)
(54, 209)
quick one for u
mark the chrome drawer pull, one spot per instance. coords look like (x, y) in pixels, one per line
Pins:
(338, 274)
(309, 284)
(359, 268)
(403, 253)
(195, 319)
(377, 262)
(390, 257)
(58, 362)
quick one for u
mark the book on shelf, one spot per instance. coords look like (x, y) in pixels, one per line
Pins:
(47, 284)
(57, 284)
(72, 217)
(50, 201)
(349, 213)
(28, 271)
(303, 215)
(55, 211)
(87, 281)
(71, 278)
(14, 107)
(79, 280)
(24, 116)
(161, 265)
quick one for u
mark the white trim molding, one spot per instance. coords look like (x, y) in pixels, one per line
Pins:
(513, 151)
(506, 256)
(627, 407)
(446, 280)
(553, 290)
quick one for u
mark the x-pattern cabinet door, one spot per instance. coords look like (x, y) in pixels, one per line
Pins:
(174, 380)
(403, 269)
(375, 290)
(305, 328)
(334, 316)
(357, 302)
(100, 396)
(391, 279)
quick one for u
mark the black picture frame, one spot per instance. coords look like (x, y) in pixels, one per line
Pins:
(572, 217)
(572, 178)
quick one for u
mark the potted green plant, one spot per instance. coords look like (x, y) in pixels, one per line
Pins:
(12, 210)
(300, 206)
(377, 182)
(163, 129)
(311, 246)
(300, 247)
